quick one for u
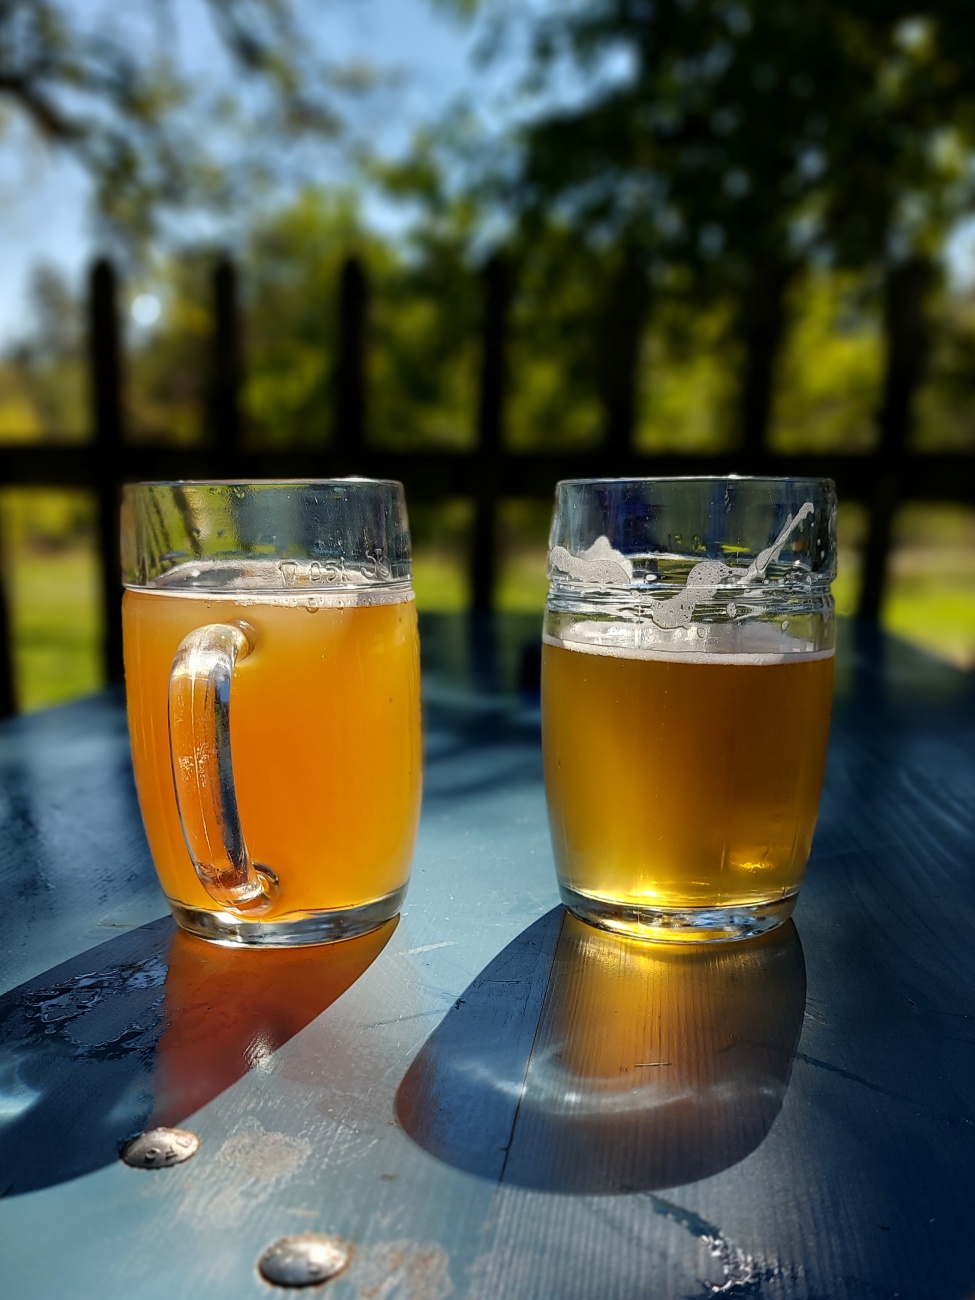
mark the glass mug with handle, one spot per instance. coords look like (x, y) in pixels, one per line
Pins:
(687, 671)
(291, 601)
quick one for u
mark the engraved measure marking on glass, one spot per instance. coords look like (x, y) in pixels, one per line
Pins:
(329, 572)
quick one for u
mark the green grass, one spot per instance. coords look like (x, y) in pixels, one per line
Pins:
(56, 627)
(439, 582)
(935, 617)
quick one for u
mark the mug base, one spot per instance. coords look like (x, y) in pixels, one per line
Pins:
(679, 925)
(232, 931)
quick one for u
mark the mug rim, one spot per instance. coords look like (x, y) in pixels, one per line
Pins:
(263, 482)
(697, 478)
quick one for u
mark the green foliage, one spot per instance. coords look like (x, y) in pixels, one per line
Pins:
(19, 417)
(154, 137)
(43, 379)
(426, 354)
(166, 365)
(829, 376)
(687, 379)
(290, 306)
(553, 348)
(945, 419)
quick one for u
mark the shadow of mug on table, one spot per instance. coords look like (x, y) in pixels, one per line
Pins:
(144, 1030)
(653, 1065)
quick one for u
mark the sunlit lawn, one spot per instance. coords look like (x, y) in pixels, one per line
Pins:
(938, 615)
(57, 628)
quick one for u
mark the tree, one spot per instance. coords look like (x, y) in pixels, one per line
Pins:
(152, 138)
(726, 145)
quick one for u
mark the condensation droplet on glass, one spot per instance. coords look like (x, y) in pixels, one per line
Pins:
(194, 573)
(785, 625)
(239, 491)
(731, 608)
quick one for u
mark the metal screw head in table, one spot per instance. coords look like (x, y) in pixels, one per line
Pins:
(158, 1148)
(306, 1259)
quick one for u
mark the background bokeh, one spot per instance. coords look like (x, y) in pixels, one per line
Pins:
(753, 218)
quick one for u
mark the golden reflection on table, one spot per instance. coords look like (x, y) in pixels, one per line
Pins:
(650, 1065)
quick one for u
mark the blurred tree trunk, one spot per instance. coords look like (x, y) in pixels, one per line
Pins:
(761, 327)
(906, 339)
(621, 326)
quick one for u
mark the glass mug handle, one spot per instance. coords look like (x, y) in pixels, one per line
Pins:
(203, 775)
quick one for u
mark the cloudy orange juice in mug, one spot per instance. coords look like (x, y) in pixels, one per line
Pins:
(272, 684)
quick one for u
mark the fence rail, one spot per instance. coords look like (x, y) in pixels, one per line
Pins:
(485, 475)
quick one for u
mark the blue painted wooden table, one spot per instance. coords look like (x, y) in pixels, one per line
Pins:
(488, 1099)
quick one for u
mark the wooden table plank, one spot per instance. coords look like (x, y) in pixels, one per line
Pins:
(491, 1099)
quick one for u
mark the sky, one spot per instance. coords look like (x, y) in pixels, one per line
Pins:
(44, 214)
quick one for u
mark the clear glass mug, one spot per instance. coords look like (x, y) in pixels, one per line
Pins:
(687, 675)
(292, 601)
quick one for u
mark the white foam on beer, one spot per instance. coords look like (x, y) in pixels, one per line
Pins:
(297, 598)
(751, 644)
(290, 584)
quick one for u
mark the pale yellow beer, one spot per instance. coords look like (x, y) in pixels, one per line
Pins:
(326, 742)
(682, 780)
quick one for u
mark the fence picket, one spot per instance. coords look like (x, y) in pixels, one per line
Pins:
(496, 291)
(106, 373)
(225, 416)
(881, 481)
(349, 435)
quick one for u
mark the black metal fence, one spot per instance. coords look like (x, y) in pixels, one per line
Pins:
(881, 481)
